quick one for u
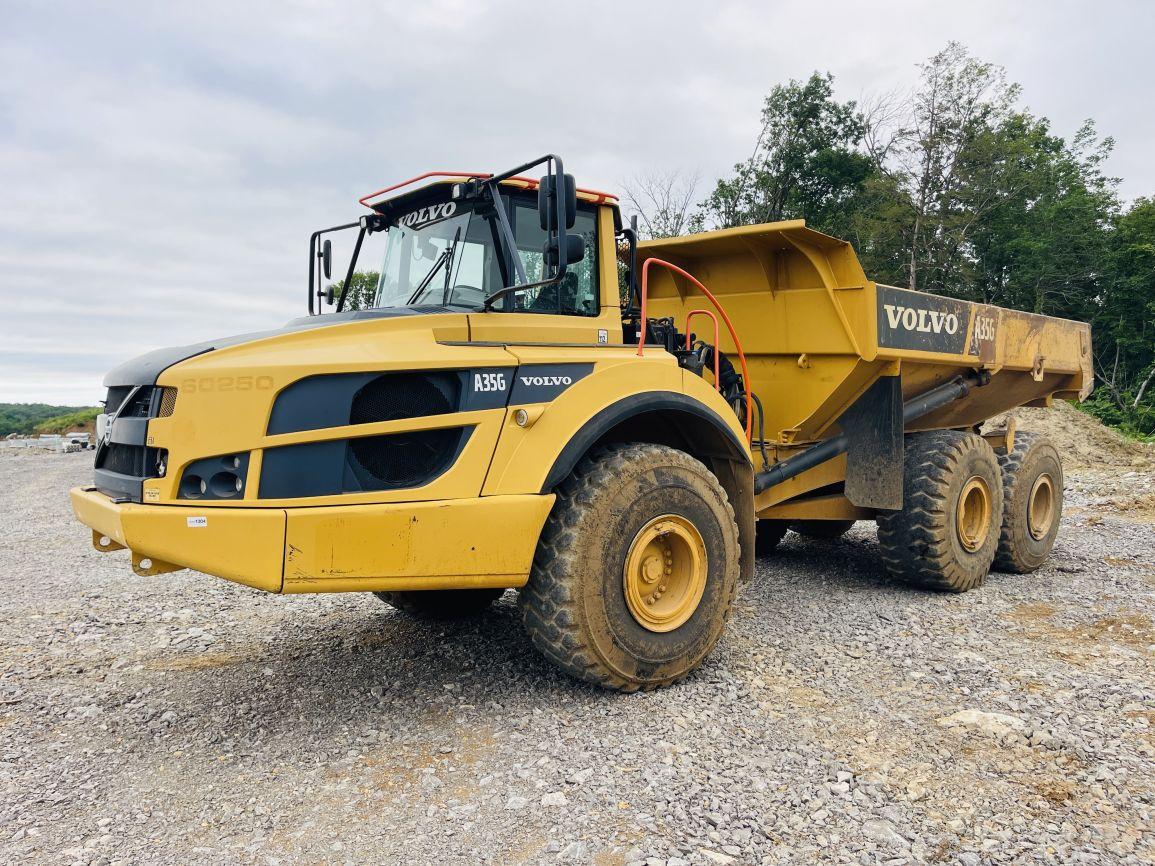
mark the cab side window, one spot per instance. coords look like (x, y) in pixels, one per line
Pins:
(577, 293)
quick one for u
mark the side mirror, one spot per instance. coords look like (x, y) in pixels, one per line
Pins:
(546, 201)
(327, 260)
(575, 250)
(331, 294)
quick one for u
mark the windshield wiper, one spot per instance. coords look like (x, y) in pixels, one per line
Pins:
(446, 256)
(451, 251)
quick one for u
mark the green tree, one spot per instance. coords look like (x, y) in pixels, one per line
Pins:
(362, 290)
(805, 164)
(934, 149)
(1043, 245)
(23, 418)
(1125, 324)
(954, 188)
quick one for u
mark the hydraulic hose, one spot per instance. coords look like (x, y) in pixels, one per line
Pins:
(828, 449)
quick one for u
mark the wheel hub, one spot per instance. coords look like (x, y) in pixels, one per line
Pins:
(1041, 507)
(665, 573)
(973, 514)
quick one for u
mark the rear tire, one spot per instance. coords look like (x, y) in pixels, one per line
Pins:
(946, 534)
(441, 603)
(1032, 503)
(822, 529)
(636, 569)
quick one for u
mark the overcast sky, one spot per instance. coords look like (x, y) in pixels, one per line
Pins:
(162, 164)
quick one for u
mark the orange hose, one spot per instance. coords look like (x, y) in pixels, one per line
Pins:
(725, 318)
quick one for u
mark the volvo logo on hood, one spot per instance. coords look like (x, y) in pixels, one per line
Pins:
(540, 383)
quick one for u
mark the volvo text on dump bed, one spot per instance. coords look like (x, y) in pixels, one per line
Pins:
(527, 397)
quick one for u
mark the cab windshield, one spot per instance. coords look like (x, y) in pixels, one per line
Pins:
(438, 255)
(449, 254)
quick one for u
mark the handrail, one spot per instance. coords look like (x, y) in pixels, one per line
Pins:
(717, 357)
(725, 318)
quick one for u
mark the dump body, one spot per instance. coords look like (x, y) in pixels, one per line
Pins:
(817, 333)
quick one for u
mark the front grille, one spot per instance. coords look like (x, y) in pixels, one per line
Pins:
(167, 402)
(124, 460)
(128, 460)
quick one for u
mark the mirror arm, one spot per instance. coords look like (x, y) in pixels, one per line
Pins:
(558, 228)
(352, 265)
(501, 293)
(507, 232)
(313, 282)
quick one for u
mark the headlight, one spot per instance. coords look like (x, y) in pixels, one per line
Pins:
(220, 477)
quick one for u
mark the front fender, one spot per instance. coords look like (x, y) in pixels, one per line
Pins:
(535, 458)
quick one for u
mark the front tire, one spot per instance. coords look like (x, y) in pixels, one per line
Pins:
(946, 533)
(441, 603)
(636, 569)
(1033, 503)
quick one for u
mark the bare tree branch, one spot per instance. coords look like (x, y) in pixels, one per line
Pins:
(663, 201)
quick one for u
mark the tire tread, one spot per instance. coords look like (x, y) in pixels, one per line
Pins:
(915, 541)
(548, 601)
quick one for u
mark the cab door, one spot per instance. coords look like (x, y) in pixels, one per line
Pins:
(582, 308)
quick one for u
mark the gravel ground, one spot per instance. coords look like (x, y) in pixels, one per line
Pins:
(844, 719)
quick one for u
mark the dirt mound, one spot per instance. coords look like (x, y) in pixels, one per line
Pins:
(1083, 441)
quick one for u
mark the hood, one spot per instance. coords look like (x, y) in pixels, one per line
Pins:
(145, 369)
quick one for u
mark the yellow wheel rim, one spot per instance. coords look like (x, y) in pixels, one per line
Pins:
(1041, 507)
(973, 514)
(665, 573)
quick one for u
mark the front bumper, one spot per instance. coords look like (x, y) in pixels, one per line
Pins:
(448, 544)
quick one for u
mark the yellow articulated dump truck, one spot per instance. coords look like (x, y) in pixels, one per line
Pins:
(511, 391)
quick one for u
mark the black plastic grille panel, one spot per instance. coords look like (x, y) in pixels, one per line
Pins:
(396, 461)
(393, 397)
(115, 398)
(126, 459)
(402, 459)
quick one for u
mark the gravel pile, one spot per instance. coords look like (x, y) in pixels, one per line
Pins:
(843, 719)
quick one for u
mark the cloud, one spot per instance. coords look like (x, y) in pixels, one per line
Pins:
(163, 164)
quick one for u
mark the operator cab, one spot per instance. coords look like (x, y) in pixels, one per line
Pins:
(469, 243)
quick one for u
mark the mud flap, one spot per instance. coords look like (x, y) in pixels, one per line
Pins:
(873, 429)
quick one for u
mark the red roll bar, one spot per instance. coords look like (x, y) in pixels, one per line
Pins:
(602, 197)
(729, 326)
(470, 174)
